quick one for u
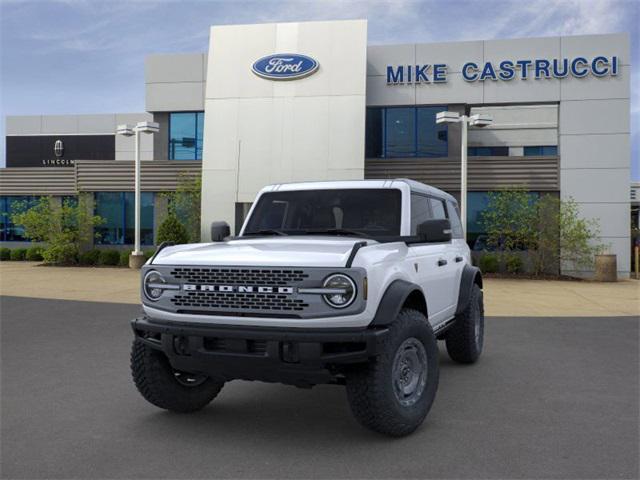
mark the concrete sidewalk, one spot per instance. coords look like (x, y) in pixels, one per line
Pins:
(506, 298)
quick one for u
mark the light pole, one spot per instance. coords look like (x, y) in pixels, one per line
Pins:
(477, 120)
(136, 259)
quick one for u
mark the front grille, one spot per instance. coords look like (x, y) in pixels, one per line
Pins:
(239, 276)
(239, 301)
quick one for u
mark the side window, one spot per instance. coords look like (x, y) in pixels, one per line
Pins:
(437, 207)
(420, 211)
(454, 216)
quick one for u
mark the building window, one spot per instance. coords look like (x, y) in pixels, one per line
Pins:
(185, 135)
(488, 151)
(541, 151)
(9, 232)
(405, 132)
(117, 209)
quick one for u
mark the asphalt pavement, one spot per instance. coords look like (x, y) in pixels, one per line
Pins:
(550, 398)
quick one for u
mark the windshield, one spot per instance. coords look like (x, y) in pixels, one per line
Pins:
(357, 212)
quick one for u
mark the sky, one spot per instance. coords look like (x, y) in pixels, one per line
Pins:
(87, 56)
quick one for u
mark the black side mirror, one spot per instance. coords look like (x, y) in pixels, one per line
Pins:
(219, 231)
(436, 230)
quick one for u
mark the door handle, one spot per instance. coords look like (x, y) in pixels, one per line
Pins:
(459, 259)
(442, 262)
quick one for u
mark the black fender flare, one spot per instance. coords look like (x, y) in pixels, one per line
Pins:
(470, 276)
(393, 300)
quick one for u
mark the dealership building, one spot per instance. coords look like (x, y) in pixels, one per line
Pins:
(286, 102)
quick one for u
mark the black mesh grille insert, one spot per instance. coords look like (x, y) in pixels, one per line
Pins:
(241, 276)
(239, 301)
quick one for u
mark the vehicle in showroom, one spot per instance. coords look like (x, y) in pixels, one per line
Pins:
(348, 282)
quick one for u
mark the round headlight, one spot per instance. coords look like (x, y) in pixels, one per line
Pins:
(152, 280)
(344, 290)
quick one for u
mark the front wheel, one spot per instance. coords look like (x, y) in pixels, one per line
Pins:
(167, 388)
(393, 394)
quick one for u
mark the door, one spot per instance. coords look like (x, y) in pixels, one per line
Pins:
(434, 263)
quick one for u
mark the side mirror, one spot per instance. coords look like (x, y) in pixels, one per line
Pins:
(436, 230)
(219, 231)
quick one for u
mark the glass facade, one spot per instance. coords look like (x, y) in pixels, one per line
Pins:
(185, 135)
(9, 232)
(117, 209)
(541, 151)
(405, 132)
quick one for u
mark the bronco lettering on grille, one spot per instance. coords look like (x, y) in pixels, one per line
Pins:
(237, 289)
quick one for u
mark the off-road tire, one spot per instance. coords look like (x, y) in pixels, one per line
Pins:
(370, 387)
(156, 381)
(462, 343)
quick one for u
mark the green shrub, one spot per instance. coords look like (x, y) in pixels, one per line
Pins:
(148, 254)
(5, 254)
(171, 230)
(90, 257)
(109, 257)
(489, 263)
(61, 254)
(124, 258)
(34, 254)
(64, 228)
(18, 254)
(513, 263)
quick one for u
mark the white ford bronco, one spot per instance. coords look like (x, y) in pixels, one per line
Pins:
(349, 283)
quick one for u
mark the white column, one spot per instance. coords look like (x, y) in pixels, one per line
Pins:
(463, 177)
(136, 247)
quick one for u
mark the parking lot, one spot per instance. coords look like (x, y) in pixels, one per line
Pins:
(550, 398)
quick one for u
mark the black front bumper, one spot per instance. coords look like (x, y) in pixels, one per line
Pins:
(300, 357)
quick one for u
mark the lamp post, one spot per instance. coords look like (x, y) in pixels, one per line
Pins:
(477, 120)
(136, 258)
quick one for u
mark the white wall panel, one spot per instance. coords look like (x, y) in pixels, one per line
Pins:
(593, 45)
(596, 185)
(595, 151)
(453, 54)
(594, 117)
(260, 131)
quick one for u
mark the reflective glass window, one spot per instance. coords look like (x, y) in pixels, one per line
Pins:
(420, 211)
(541, 151)
(117, 209)
(437, 208)
(400, 132)
(9, 205)
(432, 137)
(185, 135)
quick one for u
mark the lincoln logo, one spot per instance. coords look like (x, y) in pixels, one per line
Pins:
(237, 289)
(58, 148)
(285, 66)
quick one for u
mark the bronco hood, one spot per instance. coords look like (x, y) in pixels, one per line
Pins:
(310, 251)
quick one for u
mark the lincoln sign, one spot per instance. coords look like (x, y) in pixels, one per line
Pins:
(506, 70)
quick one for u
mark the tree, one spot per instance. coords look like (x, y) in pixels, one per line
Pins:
(171, 230)
(509, 219)
(551, 229)
(184, 203)
(63, 227)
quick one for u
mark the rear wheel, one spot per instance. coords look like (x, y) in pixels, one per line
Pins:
(166, 387)
(465, 338)
(393, 394)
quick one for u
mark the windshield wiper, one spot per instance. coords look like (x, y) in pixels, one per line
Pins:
(266, 232)
(338, 231)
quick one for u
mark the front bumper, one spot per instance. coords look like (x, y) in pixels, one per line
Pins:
(293, 356)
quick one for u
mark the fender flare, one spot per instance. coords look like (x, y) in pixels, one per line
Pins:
(470, 276)
(393, 299)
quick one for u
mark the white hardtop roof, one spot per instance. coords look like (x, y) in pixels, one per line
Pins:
(342, 184)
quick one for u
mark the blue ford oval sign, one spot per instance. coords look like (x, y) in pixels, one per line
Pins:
(285, 66)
